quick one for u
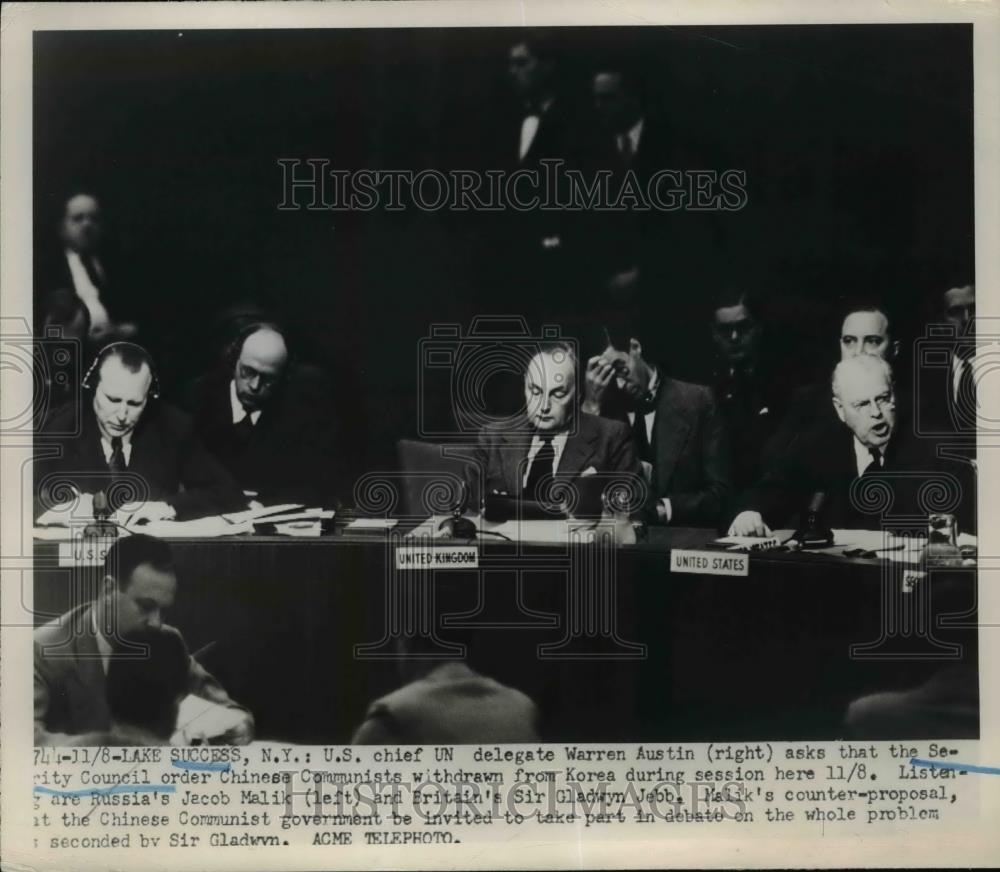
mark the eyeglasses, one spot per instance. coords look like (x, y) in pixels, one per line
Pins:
(882, 402)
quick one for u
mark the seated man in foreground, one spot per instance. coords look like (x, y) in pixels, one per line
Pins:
(831, 463)
(553, 441)
(131, 446)
(73, 653)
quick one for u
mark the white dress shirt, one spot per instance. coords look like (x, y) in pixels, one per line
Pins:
(863, 456)
(103, 645)
(628, 142)
(88, 293)
(654, 386)
(126, 448)
(956, 372)
(558, 444)
(239, 412)
(529, 127)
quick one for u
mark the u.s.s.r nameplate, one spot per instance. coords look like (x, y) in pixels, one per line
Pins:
(709, 562)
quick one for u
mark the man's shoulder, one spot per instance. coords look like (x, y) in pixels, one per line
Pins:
(61, 420)
(601, 427)
(169, 419)
(65, 627)
(516, 429)
(685, 394)
(207, 389)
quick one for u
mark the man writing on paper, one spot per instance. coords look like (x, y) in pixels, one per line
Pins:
(553, 440)
(869, 442)
(73, 654)
(131, 446)
(269, 420)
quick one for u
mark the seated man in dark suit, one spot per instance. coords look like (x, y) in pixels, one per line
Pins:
(869, 441)
(552, 441)
(130, 446)
(865, 328)
(73, 653)
(446, 702)
(268, 420)
(677, 429)
(145, 692)
(751, 385)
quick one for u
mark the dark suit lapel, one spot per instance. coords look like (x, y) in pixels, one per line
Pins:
(670, 430)
(88, 703)
(514, 448)
(89, 445)
(842, 512)
(579, 448)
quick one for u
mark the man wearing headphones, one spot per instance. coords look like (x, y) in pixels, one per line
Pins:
(269, 420)
(141, 453)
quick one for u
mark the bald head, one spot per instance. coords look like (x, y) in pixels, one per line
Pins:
(864, 400)
(260, 367)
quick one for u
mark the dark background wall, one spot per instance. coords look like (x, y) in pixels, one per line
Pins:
(856, 140)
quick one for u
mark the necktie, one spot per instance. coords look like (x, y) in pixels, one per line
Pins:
(542, 465)
(116, 463)
(244, 430)
(876, 463)
(639, 437)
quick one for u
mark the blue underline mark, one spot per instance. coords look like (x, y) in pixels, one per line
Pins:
(964, 767)
(104, 791)
(200, 767)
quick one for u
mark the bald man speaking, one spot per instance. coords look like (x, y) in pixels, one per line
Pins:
(269, 420)
(868, 439)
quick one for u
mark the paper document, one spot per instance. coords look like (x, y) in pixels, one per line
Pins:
(202, 718)
(373, 524)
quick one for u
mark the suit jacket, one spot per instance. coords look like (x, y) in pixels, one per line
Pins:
(753, 409)
(824, 460)
(70, 682)
(166, 455)
(599, 443)
(451, 705)
(52, 273)
(692, 465)
(292, 453)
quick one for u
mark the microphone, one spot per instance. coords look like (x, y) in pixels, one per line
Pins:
(813, 533)
(457, 526)
(101, 526)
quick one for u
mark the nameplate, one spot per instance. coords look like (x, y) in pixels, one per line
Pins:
(445, 557)
(709, 562)
(89, 551)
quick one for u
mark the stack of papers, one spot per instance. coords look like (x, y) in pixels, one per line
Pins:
(203, 719)
(372, 524)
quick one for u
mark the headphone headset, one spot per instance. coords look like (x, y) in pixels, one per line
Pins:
(107, 351)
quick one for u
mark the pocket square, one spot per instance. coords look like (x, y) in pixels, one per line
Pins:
(590, 470)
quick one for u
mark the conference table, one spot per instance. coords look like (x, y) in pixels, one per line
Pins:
(610, 643)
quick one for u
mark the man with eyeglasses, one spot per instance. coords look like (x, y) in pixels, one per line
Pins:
(869, 442)
(268, 419)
